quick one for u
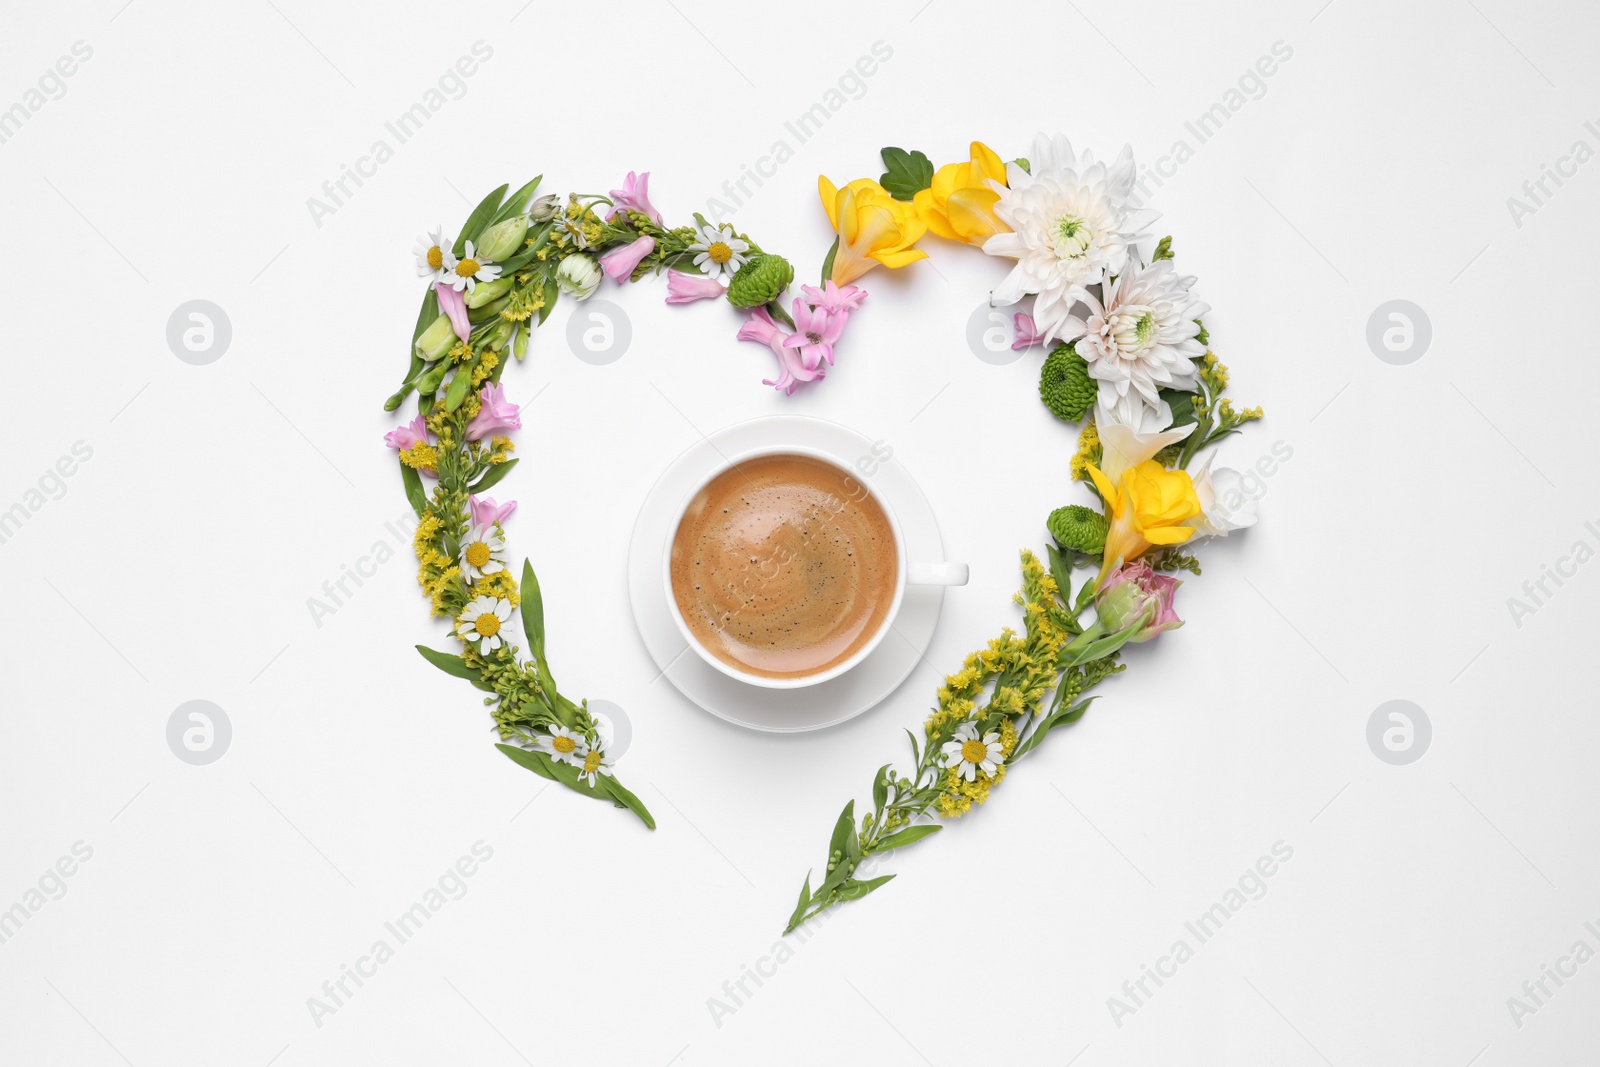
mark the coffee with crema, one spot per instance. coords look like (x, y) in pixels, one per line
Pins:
(784, 566)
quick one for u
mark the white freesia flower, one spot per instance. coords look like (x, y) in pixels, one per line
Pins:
(969, 753)
(1071, 227)
(481, 622)
(564, 745)
(434, 260)
(1224, 503)
(470, 270)
(1123, 447)
(719, 253)
(1140, 338)
(480, 553)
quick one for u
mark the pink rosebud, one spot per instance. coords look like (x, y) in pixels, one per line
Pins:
(1134, 594)
(634, 196)
(1027, 333)
(687, 288)
(834, 297)
(485, 512)
(495, 413)
(454, 304)
(403, 437)
(815, 330)
(620, 262)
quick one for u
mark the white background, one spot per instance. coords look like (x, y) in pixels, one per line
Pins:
(1374, 165)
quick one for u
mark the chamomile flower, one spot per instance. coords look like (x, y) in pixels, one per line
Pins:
(595, 762)
(469, 270)
(969, 753)
(480, 553)
(719, 253)
(480, 623)
(564, 745)
(434, 260)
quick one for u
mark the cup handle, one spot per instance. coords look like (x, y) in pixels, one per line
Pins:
(936, 574)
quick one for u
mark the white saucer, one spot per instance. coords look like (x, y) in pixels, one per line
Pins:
(784, 710)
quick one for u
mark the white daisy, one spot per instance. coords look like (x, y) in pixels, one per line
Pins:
(434, 259)
(595, 762)
(971, 753)
(1141, 339)
(564, 745)
(1071, 228)
(480, 553)
(720, 252)
(469, 270)
(481, 622)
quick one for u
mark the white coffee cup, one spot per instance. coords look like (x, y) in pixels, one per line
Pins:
(908, 572)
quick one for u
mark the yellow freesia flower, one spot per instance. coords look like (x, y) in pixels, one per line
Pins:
(873, 228)
(1150, 507)
(959, 205)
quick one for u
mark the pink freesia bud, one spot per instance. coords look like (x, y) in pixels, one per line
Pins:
(495, 414)
(412, 433)
(485, 512)
(1136, 594)
(454, 304)
(1027, 333)
(815, 330)
(687, 288)
(619, 262)
(835, 297)
(634, 196)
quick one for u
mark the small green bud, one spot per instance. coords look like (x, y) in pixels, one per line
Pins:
(545, 208)
(430, 382)
(488, 292)
(761, 279)
(487, 311)
(502, 239)
(1065, 385)
(437, 339)
(519, 348)
(1078, 528)
(499, 335)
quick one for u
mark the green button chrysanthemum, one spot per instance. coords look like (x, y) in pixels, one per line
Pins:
(1078, 528)
(1065, 385)
(759, 280)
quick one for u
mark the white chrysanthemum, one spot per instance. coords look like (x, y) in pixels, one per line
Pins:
(434, 260)
(970, 753)
(596, 761)
(564, 745)
(719, 253)
(482, 621)
(1071, 228)
(469, 270)
(480, 553)
(1142, 338)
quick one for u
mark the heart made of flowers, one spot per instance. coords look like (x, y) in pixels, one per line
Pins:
(1127, 358)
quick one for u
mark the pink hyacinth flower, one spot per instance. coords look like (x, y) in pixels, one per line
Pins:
(620, 262)
(687, 288)
(815, 330)
(791, 368)
(834, 297)
(634, 196)
(485, 512)
(412, 433)
(1027, 333)
(454, 304)
(495, 414)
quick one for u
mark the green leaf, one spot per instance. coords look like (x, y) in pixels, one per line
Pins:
(1100, 647)
(1061, 571)
(800, 908)
(1058, 717)
(842, 830)
(478, 221)
(536, 762)
(880, 788)
(492, 476)
(909, 836)
(907, 173)
(533, 619)
(552, 293)
(457, 393)
(425, 317)
(414, 491)
(916, 751)
(827, 264)
(454, 665)
(518, 202)
(626, 799)
(1182, 405)
(854, 890)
